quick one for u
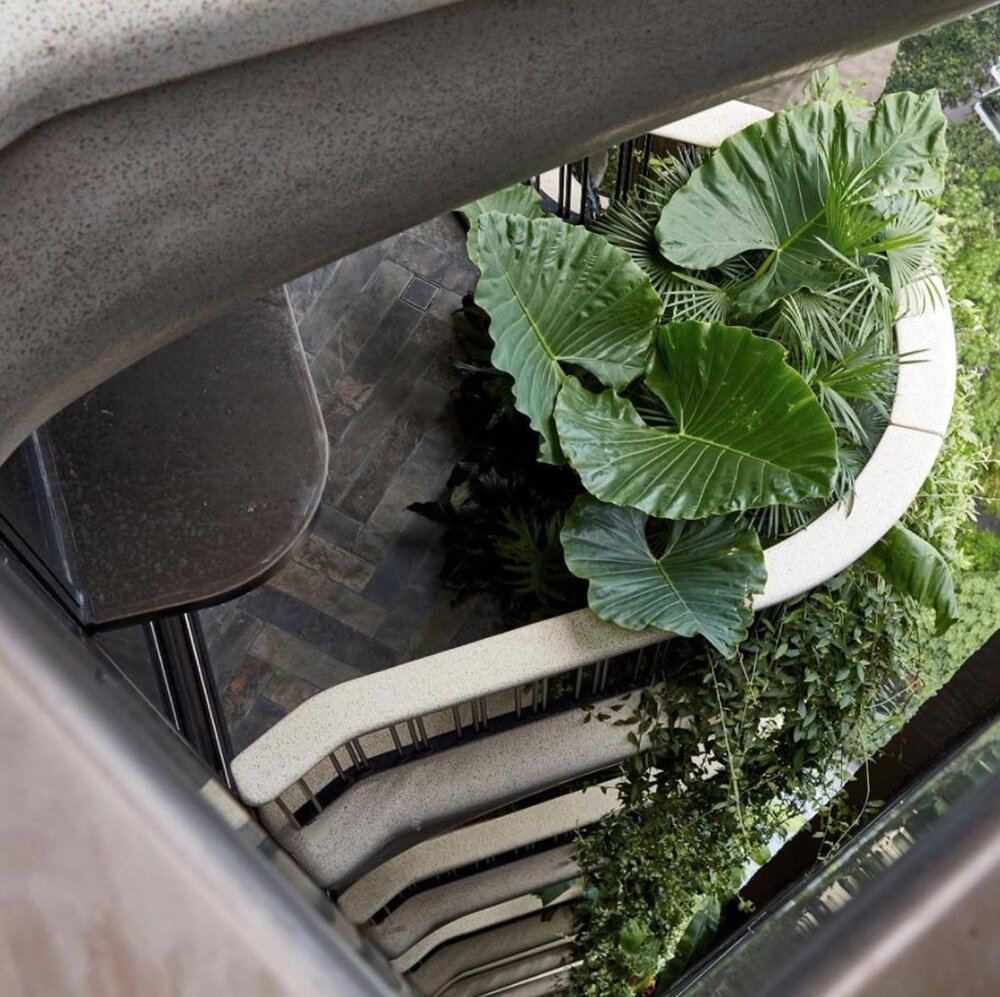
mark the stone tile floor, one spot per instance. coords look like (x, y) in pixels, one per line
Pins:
(365, 592)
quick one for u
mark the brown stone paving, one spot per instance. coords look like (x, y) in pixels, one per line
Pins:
(364, 593)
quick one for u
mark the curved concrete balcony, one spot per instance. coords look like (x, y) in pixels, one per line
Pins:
(527, 968)
(469, 957)
(432, 912)
(394, 809)
(478, 920)
(474, 843)
(193, 159)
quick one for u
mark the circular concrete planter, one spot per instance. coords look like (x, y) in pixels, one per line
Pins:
(884, 490)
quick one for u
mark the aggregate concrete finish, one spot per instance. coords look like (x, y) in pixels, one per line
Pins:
(424, 914)
(474, 843)
(133, 220)
(395, 809)
(543, 986)
(57, 56)
(465, 958)
(511, 973)
(712, 127)
(499, 913)
(329, 719)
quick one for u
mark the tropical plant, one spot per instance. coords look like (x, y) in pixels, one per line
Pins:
(810, 228)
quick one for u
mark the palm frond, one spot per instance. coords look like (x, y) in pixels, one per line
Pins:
(631, 225)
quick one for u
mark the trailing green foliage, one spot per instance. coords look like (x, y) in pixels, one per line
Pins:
(914, 567)
(733, 752)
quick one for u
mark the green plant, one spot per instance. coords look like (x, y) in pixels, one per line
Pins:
(733, 752)
(685, 420)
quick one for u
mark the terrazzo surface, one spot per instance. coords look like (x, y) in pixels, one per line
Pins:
(365, 592)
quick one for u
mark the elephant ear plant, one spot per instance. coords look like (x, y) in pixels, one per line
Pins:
(716, 360)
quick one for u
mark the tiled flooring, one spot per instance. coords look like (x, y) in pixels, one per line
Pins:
(364, 594)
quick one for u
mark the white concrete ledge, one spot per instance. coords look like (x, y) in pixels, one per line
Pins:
(712, 127)
(481, 919)
(492, 948)
(544, 984)
(427, 912)
(399, 807)
(473, 843)
(885, 489)
(526, 968)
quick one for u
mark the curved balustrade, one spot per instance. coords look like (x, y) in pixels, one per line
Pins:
(486, 917)
(490, 949)
(394, 809)
(473, 843)
(425, 914)
(530, 966)
(179, 198)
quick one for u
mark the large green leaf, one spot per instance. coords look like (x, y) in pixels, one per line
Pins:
(750, 432)
(556, 295)
(798, 186)
(914, 567)
(701, 584)
(518, 199)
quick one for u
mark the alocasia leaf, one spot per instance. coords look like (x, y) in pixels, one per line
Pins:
(700, 584)
(914, 567)
(796, 187)
(558, 295)
(518, 199)
(750, 432)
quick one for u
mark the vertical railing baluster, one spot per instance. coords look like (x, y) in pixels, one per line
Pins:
(647, 151)
(287, 811)
(423, 732)
(358, 756)
(545, 693)
(517, 702)
(304, 786)
(336, 764)
(396, 741)
(584, 184)
(414, 736)
(482, 712)
(579, 681)
(456, 715)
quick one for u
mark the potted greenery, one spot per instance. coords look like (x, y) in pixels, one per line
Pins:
(715, 361)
